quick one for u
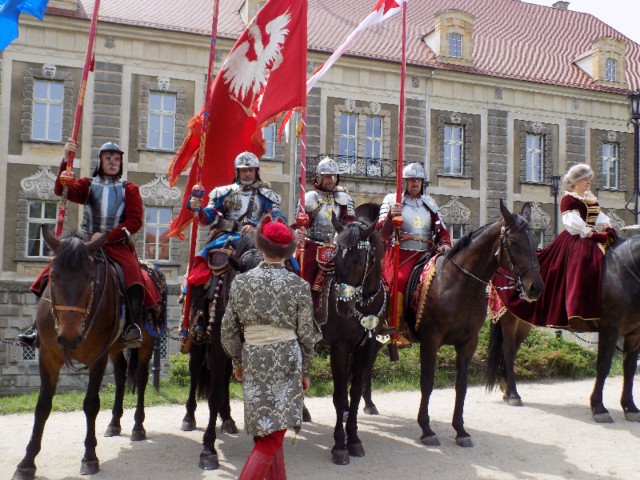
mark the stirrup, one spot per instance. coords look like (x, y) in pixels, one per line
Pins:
(132, 336)
(29, 338)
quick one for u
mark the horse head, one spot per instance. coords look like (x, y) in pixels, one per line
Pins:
(71, 285)
(517, 251)
(357, 261)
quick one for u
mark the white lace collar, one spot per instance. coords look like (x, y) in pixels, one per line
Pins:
(588, 196)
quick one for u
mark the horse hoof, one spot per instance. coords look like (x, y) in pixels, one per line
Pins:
(632, 416)
(602, 418)
(464, 442)
(138, 435)
(229, 426)
(90, 467)
(340, 457)
(209, 462)
(24, 473)
(306, 416)
(372, 410)
(113, 431)
(188, 425)
(514, 401)
(430, 441)
(355, 449)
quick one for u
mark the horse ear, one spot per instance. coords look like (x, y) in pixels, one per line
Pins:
(50, 239)
(96, 244)
(336, 223)
(526, 211)
(506, 214)
(366, 233)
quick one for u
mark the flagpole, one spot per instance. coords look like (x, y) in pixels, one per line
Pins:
(198, 189)
(302, 219)
(67, 177)
(397, 221)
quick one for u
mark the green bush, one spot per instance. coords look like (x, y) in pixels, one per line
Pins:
(178, 370)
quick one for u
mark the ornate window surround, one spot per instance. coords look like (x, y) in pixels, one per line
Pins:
(536, 128)
(161, 85)
(363, 110)
(455, 212)
(619, 139)
(465, 121)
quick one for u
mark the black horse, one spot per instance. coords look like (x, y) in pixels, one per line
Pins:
(454, 306)
(356, 304)
(620, 307)
(209, 366)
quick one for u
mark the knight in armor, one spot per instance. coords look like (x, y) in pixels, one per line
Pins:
(110, 205)
(422, 234)
(572, 265)
(325, 199)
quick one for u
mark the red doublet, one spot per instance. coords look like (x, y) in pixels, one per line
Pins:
(571, 268)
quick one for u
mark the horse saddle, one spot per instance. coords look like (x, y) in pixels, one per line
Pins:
(218, 260)
(324, 258)
(412, 285)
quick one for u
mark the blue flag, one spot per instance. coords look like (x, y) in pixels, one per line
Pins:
(10, 11)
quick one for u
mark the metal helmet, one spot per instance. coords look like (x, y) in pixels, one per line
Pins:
(247, 160)
(110, 146)
(414, 170)
(328, 166)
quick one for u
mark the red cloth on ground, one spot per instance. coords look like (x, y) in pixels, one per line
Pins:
(270, 444)
(571, 268)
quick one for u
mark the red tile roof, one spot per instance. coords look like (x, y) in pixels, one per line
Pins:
(512, 39)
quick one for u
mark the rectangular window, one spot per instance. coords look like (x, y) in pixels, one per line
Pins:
(534, 159)
(156, 230)
(455, 45)
(348, 149)
(48, 103)
(610, 165)
(611, 70)
(373, 146)
(453, 149)
(269, 135)
(162, 121)
(39, 213)
(456, 231)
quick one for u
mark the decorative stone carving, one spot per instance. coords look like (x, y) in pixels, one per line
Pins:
(612, 136)
(616, 221)
(540, 220)
(498, 93)
(454, 212)
(159, 193)
(375, 108)
(415, 81)
(456, 118)
(536, 127)
(110, 41)
(39, 185)
(49, 71)
(349, 104)
(164, 83)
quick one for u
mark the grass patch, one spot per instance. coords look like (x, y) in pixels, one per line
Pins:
(541, 356)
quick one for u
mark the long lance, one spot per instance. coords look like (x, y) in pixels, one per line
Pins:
(302, 219)
(198, 188)
(67, 177)
(397, 221)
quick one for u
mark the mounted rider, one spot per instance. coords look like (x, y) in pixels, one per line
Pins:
(320, 204)
(422, 234)
(110, 205)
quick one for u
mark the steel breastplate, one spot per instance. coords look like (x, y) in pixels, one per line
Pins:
(237, 202)
(104, 209)
(415, 233)
(321, 229)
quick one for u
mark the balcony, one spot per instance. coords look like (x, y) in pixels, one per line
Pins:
(383, 168)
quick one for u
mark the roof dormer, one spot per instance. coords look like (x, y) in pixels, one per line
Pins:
(452, 39)
(605, 64)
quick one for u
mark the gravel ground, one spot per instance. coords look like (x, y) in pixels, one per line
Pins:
(552, 437)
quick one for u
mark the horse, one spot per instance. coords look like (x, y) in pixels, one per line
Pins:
(80, 319)
(210, 368)
(454, 306)
(620, 304)
(356, 303)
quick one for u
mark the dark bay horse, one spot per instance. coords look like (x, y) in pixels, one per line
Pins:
(209, 366)
(455, 306)
(79, 320)
(356, 307)
(620, 317)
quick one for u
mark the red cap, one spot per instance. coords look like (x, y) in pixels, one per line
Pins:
(277, 232)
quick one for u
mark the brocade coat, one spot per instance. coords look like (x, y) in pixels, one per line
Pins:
(270, 295)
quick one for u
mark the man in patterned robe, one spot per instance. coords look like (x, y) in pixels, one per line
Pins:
(271, 309)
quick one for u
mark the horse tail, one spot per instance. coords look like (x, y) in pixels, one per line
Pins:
(132, 366)
(495, 359)
(203, 376)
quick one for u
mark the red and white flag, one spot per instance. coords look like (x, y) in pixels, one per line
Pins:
(263, 75)
(383, 10)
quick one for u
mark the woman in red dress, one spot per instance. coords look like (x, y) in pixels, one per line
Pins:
(572, 265)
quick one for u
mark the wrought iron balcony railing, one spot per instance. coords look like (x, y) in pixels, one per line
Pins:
(357, 166)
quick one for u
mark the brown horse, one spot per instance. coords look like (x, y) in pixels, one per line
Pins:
(620, 306)
(456, 304)
(79, 320)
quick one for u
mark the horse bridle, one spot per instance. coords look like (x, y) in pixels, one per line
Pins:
(85, 312)
(504, 246)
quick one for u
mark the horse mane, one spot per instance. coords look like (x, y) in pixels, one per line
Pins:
(350, 236)
(368, 212)
(245, 243)
(72, 252)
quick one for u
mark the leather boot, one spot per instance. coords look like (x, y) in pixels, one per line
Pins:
(257, 466)
(29, 338)
(132, 334)
(278, 470)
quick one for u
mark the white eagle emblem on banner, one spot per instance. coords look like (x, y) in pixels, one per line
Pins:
(246, 71)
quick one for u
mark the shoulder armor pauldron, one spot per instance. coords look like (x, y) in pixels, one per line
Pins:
(342, 198)
(431, 204)
(270, 194)
(223, 191)
(311, 201)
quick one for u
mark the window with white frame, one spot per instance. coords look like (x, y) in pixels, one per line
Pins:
(534, 167)
(269, 135)
(40, 213)
(453, 149)
(162, 120)
(455, 45)
(373, 146)
(457, 231)
(611, 70)
(48, 108)
(157, 244)
(348, 135)
(610, 166)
